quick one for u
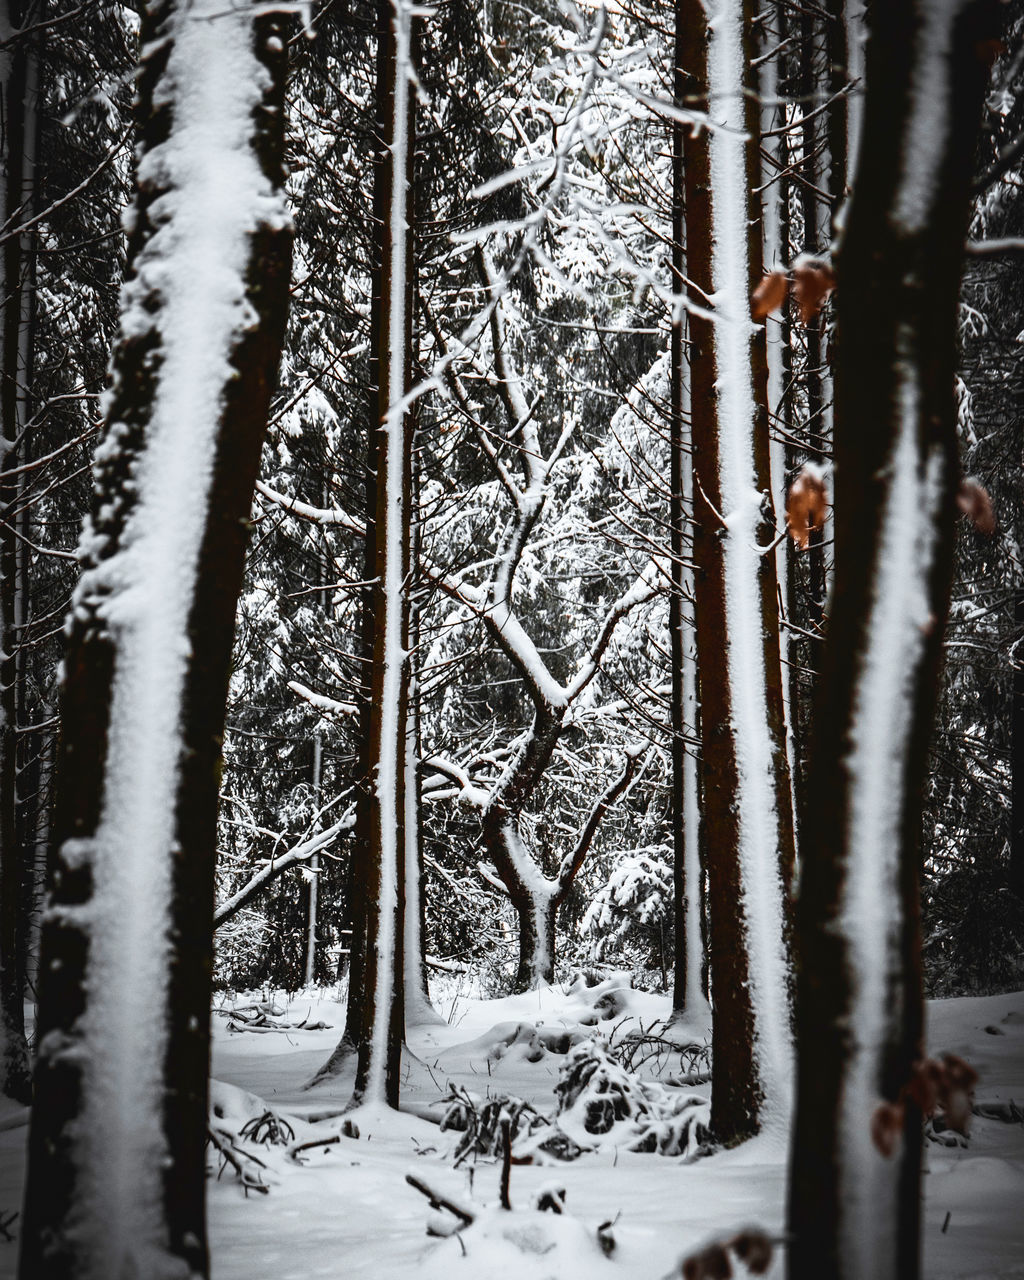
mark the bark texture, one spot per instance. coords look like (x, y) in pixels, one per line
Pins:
(852, 1213)
(56, 1240)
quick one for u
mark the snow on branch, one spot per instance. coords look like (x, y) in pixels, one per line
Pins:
(330, 706)
(301, 852)
(316, 515)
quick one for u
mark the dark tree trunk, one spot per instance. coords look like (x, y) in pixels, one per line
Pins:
(69, 1234)
(374, 1025)
(732, 1028)
(685, 820)
(852, 1212)
(1016, 875)
(15, 866)
(738, 1092)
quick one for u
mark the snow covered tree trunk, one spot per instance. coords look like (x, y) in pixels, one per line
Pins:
(314, 865)
(16, 88)
(779, 363)
(530, 892)
(854, 1212)
(117, 1146)
(375, 1010)
(748, 830)
(688, 876)
(418, 1009)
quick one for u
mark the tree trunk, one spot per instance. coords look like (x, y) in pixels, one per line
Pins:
(748, 834)
(688, 877)
(116, 1178)
(853, 1213)
(537, 914)
(16, 77)
(375, 1013)
(1016, 870)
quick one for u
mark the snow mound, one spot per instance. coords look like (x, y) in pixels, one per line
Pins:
(526, 1243)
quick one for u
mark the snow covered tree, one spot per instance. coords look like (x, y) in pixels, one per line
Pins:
(746, 802)
(854, 1207)
(375, 1023)
(117, 1145)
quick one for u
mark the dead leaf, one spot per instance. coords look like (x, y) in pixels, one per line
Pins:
(973, 500)
(925, 1085)
(956, 1093)
(806, 503)
(887, 1127)
(711, 1263)
(769, 295)
(986, 51)
(754, 1250)
(812, 283)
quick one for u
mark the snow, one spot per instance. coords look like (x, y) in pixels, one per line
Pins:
(195, 262)
(349, 1201)
(930, 116)
(758, 820)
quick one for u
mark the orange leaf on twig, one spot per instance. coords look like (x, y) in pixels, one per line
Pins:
(769, 295)
(805, 505)
(711, 1263)
(754, 1249)
(813, 281)
(887, 1126)
(973, 500)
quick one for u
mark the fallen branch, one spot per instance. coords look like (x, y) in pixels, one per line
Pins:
(230, 1155)
(438, 1201)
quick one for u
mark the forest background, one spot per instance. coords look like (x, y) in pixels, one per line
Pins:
(531, 309)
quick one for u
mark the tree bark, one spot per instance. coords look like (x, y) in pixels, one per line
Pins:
(852, 1212)
(116, 1179)
(748, 835)
(375, 1011)
(688, 877)
(16, 82)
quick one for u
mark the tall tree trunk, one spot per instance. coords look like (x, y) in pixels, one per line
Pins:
(1016, 870)
(747, 833)
(313, 898)
(375, 1011)
(418, 1009)
(853, 1212)
(16, 85)
(688, 877)
(116, 1178)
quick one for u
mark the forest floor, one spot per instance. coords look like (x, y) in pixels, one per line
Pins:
(323, 1204)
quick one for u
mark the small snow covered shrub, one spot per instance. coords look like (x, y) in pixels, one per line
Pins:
(631, 913)
(601, 1104)
(238, 1122)
(481, 1121)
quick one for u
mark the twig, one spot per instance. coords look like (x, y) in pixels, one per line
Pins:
(438, 1201)
(506, 1161)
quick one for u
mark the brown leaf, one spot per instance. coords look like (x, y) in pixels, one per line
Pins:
(754, 1249)
(711, 1263)
(769, 295)
(973, 500)
(959, 1072)
(805, 506)
(925, 1084)
(986, 51)
(812, 283)
(887, 1127)
(956, 1092)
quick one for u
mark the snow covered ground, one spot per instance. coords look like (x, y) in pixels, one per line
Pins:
(343, 1205)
